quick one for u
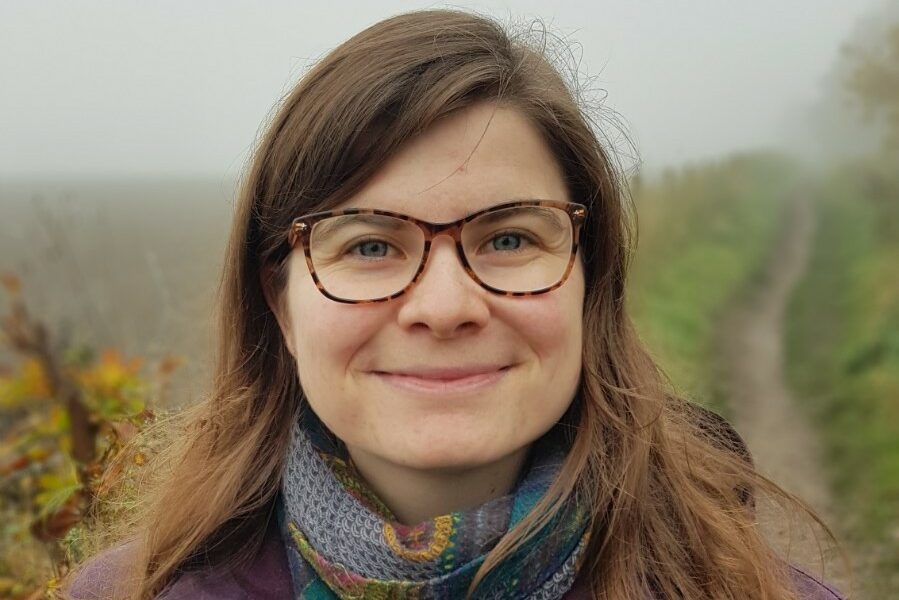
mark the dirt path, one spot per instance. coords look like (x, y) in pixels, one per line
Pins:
(783, 444)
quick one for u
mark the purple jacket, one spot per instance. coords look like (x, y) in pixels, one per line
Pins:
(267, 577)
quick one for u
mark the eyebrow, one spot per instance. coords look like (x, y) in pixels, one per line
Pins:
(547, 216)
(327, 227)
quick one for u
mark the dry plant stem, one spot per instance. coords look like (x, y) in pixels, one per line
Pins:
(30, 337)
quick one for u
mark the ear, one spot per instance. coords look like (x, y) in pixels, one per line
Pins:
(276, 303)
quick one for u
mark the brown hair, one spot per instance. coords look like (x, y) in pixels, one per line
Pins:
(668, 500)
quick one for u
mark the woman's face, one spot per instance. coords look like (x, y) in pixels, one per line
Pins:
(446, 320)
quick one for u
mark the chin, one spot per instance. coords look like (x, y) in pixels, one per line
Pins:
(455, 456)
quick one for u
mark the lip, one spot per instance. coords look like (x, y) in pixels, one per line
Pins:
(444, 381)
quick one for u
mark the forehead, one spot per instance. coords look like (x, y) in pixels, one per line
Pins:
(474, 158)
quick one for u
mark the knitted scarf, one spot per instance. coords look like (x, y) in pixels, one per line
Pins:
(343, 542)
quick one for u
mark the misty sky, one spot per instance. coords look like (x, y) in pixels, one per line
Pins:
(121, 88)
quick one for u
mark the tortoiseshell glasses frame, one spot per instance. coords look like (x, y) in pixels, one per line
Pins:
(301, 227)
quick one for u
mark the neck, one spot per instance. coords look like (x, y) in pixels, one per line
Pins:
(415, 495)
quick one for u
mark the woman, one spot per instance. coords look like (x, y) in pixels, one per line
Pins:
(428, 385)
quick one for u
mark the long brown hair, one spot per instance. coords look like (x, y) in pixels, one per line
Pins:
(668, 500)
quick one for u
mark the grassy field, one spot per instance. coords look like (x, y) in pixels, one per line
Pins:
(843, 353)
(128, 264)
(704, 233)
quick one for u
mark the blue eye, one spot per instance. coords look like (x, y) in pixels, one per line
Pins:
(510, 241)
(506, 245)
(372, 244)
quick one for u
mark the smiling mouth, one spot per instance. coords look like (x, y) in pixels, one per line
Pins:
(466, 383)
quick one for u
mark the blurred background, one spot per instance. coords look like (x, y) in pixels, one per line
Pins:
(762, 144)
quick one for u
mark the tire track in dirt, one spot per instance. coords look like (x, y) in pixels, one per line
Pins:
(784, 445)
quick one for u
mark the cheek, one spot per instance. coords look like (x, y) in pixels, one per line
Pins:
(551, 331)
(552, 323)
(329, 340)
(326, 336)
(329, 335)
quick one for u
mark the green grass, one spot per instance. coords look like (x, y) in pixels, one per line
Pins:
(704, 233)
(842, 350)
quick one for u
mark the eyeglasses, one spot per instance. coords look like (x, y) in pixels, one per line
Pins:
(361, 255)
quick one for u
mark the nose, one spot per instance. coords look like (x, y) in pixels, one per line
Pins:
(445, 299)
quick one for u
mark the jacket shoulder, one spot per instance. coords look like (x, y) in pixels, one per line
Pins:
(809, 587)
(265, 576)
(104, 576)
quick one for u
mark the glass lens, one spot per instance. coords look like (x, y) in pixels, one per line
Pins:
(519, 249)
(363, 257)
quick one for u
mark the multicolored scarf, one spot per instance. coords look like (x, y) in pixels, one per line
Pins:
(342, 542)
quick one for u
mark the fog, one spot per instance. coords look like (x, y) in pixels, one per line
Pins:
(125, 88)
